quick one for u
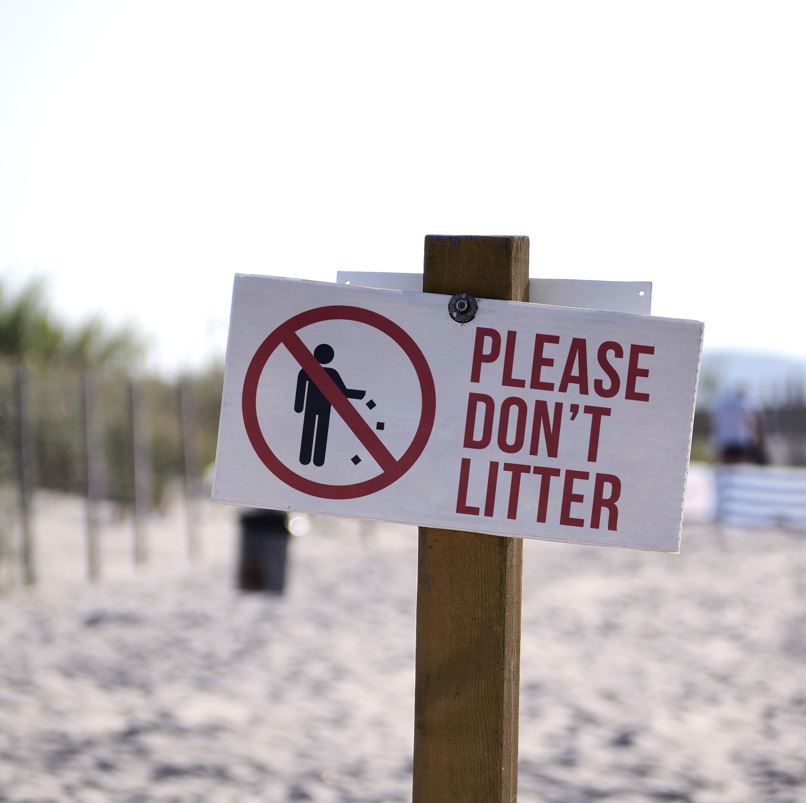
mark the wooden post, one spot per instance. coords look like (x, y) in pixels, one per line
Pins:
(8, 548)
(469, 595)
(24, 470)
(140, 471)
(187, 430)
(92, 483)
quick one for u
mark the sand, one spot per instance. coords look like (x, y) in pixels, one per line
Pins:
(645, 677)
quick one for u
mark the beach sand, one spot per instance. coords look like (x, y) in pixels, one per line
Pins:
(644, 677)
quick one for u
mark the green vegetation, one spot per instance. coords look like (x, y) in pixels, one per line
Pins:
(30, 330)
(57, 358)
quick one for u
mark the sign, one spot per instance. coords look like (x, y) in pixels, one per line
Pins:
(531, 420)
(590, 294)
(320, 393)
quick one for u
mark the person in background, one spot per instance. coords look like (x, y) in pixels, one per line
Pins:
(737, 429)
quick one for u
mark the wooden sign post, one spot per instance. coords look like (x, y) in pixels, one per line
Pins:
(469, 595)
(458, 410)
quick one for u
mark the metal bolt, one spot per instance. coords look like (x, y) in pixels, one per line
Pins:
(463, 307)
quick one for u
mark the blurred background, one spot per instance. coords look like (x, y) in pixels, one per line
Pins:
(148, 151)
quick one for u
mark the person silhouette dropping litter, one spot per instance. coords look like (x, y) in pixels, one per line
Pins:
(315, 407)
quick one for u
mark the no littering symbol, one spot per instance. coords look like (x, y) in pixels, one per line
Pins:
(321, 392)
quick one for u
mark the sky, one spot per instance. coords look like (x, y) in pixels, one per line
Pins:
(151, 150)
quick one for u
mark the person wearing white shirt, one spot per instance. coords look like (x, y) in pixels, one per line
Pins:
(736, 428)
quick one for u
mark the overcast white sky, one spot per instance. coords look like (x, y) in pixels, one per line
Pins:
(150, 150)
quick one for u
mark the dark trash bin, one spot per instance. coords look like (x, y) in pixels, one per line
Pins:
(264, 551)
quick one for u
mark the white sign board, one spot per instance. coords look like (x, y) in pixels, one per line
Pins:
(531, 420)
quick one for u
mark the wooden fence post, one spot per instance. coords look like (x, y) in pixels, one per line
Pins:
(92, 484)
(187, 430)
(469, 595)
(8, 550)
(24, 470)
(141, 472)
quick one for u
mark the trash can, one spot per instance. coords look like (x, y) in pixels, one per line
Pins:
(264, 551)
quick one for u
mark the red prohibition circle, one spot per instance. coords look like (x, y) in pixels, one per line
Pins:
(288, 330)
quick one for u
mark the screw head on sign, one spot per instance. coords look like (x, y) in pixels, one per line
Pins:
(463, 307)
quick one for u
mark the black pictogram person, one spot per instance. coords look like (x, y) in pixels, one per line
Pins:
(316, 408)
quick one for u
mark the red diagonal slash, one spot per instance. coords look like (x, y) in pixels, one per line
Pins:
(341, 404)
